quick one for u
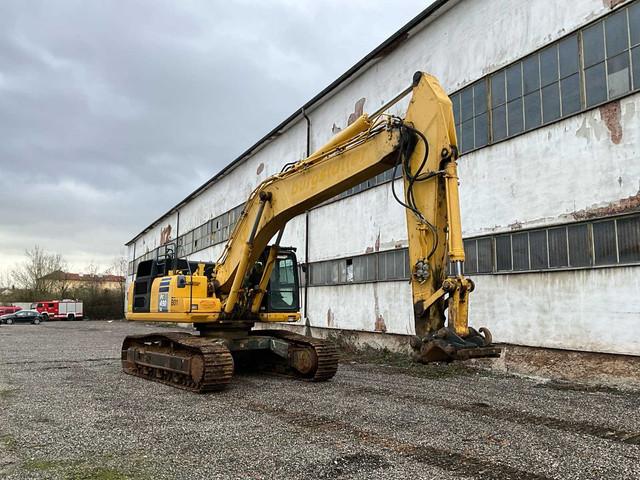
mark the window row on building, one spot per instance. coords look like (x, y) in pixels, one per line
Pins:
(594, 65)
(612, 241)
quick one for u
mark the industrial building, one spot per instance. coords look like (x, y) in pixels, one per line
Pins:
(547, 110)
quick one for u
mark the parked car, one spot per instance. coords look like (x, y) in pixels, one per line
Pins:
(4, 310)
(22, 316)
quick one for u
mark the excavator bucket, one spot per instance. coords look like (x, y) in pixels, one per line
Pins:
(445, 345)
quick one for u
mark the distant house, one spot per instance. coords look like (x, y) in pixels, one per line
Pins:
(72, 281)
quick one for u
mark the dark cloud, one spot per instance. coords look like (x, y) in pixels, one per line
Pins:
(111, 112)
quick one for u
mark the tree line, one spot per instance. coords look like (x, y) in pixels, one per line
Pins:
(32, 281)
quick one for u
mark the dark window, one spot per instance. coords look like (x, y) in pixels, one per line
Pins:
(470, 256)
(485, 255)
(538, 246)
(531, 74)
(616, 33)
(499, 123)
(503, 253)
(549, 65)
(618, 75)
(520, 243)
(550, 103)
(595, 85)
(579, 246)
(514, 81)
(635, 59)
(593, 45)
(480, 97)
(569, 60)
(514, 113)
(466, 104)
(634, 23)
(497, 89)
(629, 239)
(532, 110)
(604, 243)
(558, 247)
(455, 101)
(467, 140)
(482, 130)
(570, 87)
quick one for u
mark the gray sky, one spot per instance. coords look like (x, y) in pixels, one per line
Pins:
(112, 112)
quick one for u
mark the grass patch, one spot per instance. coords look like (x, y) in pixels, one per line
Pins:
(8, 441)
(7, 393)
(80, 470)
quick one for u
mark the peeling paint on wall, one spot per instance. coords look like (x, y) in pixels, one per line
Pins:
(358, 110)
(610, 114)
(612, 3)
(624, 205)
(165, 235)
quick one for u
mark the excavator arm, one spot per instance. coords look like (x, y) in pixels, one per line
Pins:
(423, 146)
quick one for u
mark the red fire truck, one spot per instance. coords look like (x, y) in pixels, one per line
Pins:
(10, 309)
(59, 309)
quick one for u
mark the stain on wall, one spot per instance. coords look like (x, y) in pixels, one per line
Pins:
(610, 114)
(612, 3)
(330, 319)
(260, 168)
(358, 110)
(165, 235)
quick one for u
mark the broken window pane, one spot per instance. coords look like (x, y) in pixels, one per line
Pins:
(485, 255)
(579, 246)
(593, 45)
(480, 97)
(482, 130)
(531, 74)
(499, 125)
(514, 114)
(466, 104)
(618, 75)
(570, 94)
(634, 23)
(538, 247)
(568, 52)
(629, 239)
(514, 81)
(595, 84)
(503, 253)
(604, 243)
(550, 103)
(470, 257)
(497, 88)
(557, 247)
(520, 243)
(549, 65)
(617, 39)
(532, 113)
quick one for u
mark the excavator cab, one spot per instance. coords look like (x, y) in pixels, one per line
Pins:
(284, 285)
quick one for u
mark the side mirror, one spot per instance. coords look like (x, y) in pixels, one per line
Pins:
(182, 281)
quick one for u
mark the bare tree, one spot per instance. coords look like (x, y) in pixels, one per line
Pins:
(119, 266)
(30, 275)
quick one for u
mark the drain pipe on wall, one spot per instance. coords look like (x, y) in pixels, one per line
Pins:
(306, 233)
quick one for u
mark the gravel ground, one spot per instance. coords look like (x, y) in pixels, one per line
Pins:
(66, 411)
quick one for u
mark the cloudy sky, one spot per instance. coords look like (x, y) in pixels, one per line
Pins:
(113, 111)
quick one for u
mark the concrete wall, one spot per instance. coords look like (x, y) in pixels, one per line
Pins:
(550, 175)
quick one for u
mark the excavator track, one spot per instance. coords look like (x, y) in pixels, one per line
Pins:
(197, 364)
(324, 358)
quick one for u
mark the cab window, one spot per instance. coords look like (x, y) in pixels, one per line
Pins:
(283, 285)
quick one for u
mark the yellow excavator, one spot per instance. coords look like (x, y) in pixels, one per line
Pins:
(254, 281)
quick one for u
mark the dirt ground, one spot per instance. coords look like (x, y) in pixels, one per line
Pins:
(67, 412)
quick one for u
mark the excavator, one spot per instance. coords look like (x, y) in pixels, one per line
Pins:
(257, 281)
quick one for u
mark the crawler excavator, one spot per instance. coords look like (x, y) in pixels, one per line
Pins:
(254, 281)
